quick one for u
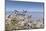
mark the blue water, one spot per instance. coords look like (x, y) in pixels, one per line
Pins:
(35, 15)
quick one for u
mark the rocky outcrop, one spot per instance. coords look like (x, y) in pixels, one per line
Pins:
(19, 20)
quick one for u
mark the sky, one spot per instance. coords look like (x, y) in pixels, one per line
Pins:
(20, 5)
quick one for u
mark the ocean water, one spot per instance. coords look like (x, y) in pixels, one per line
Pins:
(34, 15)
(37, 14)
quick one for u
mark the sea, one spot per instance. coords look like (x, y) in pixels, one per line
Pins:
(34, 15)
